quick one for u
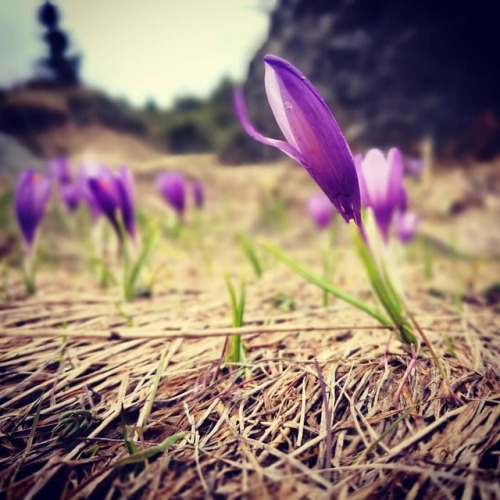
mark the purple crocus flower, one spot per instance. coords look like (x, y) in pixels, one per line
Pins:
(31, 198)
(381, 185)
(198, 195)
(313, 137)
(88, 171)
(406, 225)
(105, 192)
(321, 210)
(172, 187)
(70, 194)
(114, 195)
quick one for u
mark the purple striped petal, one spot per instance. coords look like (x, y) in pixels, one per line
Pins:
(406, 225)
(125, 189)
(313, 136)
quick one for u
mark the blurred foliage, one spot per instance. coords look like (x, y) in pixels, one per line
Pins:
(191, 125)
(196, 125)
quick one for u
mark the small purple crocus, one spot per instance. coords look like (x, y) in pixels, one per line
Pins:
(31, 198)
(60, 170)
(114, 196)
(198, 195)
(313, 137)
(70, 195)
(381, 185)
(172, 187)
(406, 225)
(321, 210)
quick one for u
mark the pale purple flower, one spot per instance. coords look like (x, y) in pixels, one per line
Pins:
(30, 201)
(172, 186)
(406, 225)
(313, 137)
(321, 210)
(198, 195)
(381, 185)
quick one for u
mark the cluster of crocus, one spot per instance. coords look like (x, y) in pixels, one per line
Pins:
(30, 201)
(173, 187)
(315, 141)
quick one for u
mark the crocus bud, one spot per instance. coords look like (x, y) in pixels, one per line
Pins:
(313, 137)
(106, 195)
(88, 171)
(381, 185)
(125, 188)
(406, 225)
(321, 210)
(70, 195)
(198, 195)
(172, 186)
(30, 200)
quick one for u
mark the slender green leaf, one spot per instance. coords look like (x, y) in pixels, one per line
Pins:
(316, 280)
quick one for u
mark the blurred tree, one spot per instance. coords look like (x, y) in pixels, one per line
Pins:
(63, 67)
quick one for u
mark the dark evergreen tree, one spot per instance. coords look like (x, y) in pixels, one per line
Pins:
(63, 67)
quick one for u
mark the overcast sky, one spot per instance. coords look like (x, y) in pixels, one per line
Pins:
(141, 49)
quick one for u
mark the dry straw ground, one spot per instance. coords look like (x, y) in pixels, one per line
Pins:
(314, 419)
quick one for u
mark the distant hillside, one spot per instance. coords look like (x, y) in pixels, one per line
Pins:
(51, 120)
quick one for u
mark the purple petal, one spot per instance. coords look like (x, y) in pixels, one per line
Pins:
(396, 190)
(31, 198)
(241, 111)
(60, 170)
(86, 172)
(382, 186)
(125, 188)
(321, 210)
(106, 195)
(172, 187)
(70, 194)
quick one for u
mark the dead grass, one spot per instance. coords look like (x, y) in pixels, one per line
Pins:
(313, 420)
